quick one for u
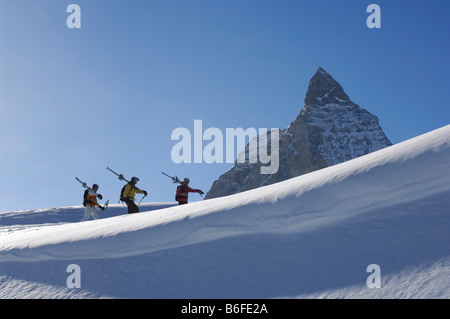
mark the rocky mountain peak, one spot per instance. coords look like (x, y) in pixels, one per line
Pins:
(323, 90)
(329, 130)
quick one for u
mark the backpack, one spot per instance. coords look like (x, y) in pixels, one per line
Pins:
(121, 193)
(176, 194)
(85, 200)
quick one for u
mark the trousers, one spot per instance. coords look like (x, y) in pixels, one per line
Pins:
(132, 207)
(88, 212)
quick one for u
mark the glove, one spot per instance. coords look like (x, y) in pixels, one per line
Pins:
(200, 192)
(100, 196)
(101, 207)
(145, 193)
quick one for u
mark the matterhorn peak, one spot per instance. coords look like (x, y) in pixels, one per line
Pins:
(329, 130)
(323, 90)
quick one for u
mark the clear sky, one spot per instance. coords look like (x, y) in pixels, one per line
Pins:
(74, 101)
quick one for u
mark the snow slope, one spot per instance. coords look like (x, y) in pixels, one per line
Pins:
(312, 236)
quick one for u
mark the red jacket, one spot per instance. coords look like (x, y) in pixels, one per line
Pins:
(183, 191)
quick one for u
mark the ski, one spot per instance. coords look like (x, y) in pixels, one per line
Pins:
(121, 177)
(174, 179)
(83, 184)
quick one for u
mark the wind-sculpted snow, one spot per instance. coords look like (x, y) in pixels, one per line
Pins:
(390, 207)
(410, 170)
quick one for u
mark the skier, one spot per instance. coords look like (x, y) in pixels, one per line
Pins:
(91, 203)
(183, 192)
(129, 192)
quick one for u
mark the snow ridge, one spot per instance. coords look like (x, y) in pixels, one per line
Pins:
(309, 236)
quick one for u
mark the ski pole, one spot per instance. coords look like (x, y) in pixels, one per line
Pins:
(141, 200)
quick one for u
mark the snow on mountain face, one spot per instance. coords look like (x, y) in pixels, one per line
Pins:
(341, 129)
(329, 130)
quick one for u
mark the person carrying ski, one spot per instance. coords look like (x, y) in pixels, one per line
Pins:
(91, 202)
(129, 192)
(183, 192)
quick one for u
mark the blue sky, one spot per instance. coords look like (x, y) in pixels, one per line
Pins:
(74, 101)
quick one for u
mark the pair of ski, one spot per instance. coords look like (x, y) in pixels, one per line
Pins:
(105, 205)
(173, 178)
